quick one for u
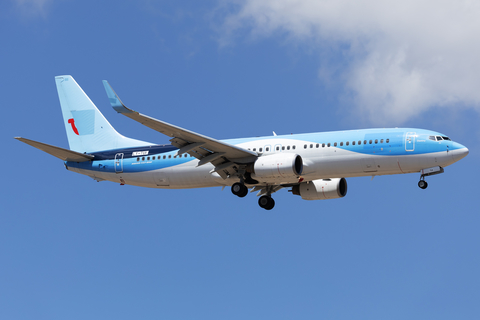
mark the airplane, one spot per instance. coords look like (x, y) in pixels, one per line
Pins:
(311, 165)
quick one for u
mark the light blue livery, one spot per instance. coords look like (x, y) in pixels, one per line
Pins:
(312, 165)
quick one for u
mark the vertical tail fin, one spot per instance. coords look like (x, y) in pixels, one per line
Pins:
(87, 129)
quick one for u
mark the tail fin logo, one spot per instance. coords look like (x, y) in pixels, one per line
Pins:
(72, 122)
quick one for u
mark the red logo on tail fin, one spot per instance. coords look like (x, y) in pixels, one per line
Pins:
(72, 122)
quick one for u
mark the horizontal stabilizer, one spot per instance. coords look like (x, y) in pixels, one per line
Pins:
(64, 154)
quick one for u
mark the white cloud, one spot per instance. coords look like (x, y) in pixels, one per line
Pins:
(33, 7)
(403, 58)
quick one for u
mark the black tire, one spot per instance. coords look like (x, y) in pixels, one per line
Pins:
(239, 189)
(266, 202)
(422, 184)
(271, 204)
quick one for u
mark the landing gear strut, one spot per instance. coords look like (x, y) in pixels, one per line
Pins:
(266, 202)
(239, 189)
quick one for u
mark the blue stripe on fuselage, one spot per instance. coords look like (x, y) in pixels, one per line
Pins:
(136, 159)
(395, 147)
(104, 161)
(130, 152)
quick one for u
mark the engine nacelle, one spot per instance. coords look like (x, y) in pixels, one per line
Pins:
(278, 166)
(321, 189)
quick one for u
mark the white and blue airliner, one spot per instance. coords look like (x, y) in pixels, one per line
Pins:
(311, 165)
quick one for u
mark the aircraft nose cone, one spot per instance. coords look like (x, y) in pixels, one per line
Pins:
(460, 153)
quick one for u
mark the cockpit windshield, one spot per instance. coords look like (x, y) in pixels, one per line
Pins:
(439, 138)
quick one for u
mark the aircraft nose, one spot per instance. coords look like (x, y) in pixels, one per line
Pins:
(460, 153)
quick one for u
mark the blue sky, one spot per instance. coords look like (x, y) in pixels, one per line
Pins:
(72, 248)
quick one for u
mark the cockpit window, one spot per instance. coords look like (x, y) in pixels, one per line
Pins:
(439, 138)
(431, 138)
(446, 138)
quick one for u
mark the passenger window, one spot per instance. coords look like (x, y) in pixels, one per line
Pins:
(164, 157)
(381, 141)
(138, 159)
(328, 144)
(388, 140)
(148, 158)
(311, 146)
(293, 147)
(341, 144)
(288, 147)
(143, 158)
(260, 149)
(370, 142)
(335, 144)
(348, 143)
(277, 148)
(318, 145)
(359, 142)
(364, 141)
(283, 147)
(323, 145)
(185, 155)
(267, 149)
(305, 147)
(254, 149)
(169, 156)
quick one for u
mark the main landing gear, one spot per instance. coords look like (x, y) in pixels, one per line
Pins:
(266, 202)
(239, 189)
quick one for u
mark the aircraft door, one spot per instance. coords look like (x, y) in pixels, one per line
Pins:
(410, 141)
(119, 163)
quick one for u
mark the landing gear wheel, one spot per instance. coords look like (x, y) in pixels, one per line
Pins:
(423, 184)
(239, 189)
(266, 202)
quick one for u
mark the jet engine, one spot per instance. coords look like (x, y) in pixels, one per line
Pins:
(284, 165)
(321, 189)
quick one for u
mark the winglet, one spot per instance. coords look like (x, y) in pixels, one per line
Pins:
(115, 101)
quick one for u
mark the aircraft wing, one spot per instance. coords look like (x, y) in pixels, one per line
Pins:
(64, 154)
(222, 155)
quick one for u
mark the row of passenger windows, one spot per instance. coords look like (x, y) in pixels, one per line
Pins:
(160, 157)
(267, 149)
(335, 144)
(359, 142)
(277, 148)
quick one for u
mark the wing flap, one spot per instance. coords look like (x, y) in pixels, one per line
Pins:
(64, 154)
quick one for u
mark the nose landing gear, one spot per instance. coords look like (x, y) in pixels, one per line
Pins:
(428, 172)
(422, 183)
